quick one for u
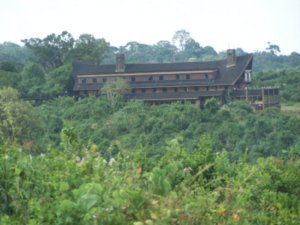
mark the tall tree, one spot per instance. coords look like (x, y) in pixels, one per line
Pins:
(52, 51)
(192, 49)
(14, 53)
(165, 51)
(180, 39)
(137, 52)
(273, 49)
(89, 49)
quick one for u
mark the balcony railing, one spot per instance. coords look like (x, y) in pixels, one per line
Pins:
(259, 98)
(266, 91)
(172, 96)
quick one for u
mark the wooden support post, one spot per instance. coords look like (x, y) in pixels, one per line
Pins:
(263, 98)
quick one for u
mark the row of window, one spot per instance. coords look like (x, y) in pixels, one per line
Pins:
(150, 78)
(175, 89)
(161, 77)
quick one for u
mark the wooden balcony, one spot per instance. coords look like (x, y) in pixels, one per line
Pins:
(259, 98)
(172, 96)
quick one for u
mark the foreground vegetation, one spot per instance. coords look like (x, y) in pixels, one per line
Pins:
(78, 185)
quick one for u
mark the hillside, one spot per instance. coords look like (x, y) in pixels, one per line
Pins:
(95, 160)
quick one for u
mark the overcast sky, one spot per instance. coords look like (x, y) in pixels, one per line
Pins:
(221, 24)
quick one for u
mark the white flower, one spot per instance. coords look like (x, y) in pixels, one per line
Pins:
(187, 170)
(80, 162)
(111, 161)
(6, 157)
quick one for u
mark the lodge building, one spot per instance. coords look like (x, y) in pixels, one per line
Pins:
(158, 83)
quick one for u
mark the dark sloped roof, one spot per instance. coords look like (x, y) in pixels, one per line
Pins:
(226, 75)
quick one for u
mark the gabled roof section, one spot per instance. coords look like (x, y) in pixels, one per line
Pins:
(226, 75)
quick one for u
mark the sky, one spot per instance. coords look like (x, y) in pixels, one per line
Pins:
(222, 24)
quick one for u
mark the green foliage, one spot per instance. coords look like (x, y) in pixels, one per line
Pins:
(33, 79)
(288, 81)
(234, 127)
(70, 141)
(58, 81)
(9, 79)
(9, 66)
(60, 187)
(52, 51)
(48, 72)
(273, 49)
(211, 105)
(17, 123)
(268, 61)
(89, 49)
(11, 52)
(113, 89)
(203, 155)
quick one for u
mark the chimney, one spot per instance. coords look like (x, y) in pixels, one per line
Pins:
(120, 63)
(231, 58)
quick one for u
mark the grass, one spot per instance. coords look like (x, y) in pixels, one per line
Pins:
(291, 108)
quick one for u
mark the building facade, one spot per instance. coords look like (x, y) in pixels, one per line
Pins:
(187, 81)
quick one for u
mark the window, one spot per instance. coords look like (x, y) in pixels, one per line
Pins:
(207, 88)
(164, 89)
(143, 90)
(83, 81)
(248, 75)
(175, 89)
(196, 88)
(94, 80)
(185, 89)
(104, 80)
(206, 76)
(177, 77)
(187, 76)
(161, 77)
(154, 90)
(132, 90)
(150, 78)
(132, 78)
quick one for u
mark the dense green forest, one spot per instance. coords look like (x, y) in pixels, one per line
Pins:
(98, 161)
